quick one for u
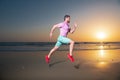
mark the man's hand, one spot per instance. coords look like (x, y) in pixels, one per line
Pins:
(75, 25)
(74, 28)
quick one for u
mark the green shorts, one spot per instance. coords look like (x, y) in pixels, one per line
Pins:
(62, 40)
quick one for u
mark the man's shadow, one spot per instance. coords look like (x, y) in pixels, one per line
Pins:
(76, 66)
(57, 62)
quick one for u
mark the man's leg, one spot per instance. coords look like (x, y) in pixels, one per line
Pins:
(47, 57)
(66, 40)
(52, 51)
(57, 45)
(71, 47)
(70, 55)
(69, 41)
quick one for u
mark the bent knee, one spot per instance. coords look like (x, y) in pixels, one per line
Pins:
(72, 42)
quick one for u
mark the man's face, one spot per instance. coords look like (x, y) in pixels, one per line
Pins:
(68, 19)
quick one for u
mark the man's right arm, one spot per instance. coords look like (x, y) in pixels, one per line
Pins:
(52, 30)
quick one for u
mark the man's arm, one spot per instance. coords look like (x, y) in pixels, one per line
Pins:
(52, 30)
(74, 28)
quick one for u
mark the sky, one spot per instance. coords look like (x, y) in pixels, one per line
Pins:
(31, 20)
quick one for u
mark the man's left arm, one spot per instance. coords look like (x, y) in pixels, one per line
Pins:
(74, 28)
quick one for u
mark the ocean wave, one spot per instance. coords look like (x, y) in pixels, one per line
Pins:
(40, 46)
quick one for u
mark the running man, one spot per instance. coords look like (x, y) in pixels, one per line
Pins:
(62, 39)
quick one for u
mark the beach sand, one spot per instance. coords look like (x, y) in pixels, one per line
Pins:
(88, 65)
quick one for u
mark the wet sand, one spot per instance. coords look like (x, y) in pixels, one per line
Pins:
(88, 65)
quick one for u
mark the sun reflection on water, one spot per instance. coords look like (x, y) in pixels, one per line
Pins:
(102, 53)
(102, 64)
(102, 58)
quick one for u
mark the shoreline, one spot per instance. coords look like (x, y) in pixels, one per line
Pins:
(37, 50)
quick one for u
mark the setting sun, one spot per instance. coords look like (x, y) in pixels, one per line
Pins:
(101, 35)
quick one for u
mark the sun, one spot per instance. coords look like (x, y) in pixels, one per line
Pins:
(101, 35)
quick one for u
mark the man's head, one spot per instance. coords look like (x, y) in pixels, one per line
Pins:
(67, 18)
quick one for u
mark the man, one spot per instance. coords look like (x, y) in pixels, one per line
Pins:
(62, 39)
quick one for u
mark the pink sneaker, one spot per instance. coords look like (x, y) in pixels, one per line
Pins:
(70, 58)
(47, 59)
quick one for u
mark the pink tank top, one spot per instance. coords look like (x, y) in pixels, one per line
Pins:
(64, 29)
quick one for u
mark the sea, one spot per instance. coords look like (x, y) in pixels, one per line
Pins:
(46, 46)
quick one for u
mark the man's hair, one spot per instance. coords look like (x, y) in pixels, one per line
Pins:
(66, 16)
